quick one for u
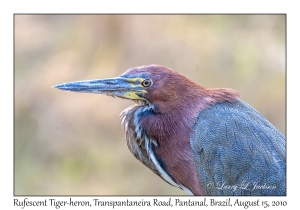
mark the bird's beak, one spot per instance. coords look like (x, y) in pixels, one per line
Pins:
(129, 88)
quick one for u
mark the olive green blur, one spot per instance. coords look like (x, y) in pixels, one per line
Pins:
(67, 143)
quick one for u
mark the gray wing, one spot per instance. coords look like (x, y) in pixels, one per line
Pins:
(238, 152)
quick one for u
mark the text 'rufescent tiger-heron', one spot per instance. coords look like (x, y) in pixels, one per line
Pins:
(204, 141)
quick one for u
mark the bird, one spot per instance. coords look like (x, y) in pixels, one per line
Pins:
(205, 141)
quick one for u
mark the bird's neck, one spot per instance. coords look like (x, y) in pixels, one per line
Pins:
(171, 127)
(195, 98)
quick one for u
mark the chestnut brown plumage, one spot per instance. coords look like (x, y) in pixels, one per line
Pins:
(195, 138)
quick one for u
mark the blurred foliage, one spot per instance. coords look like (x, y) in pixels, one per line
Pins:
(73, 144)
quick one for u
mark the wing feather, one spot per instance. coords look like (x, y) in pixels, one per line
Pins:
(238, 152)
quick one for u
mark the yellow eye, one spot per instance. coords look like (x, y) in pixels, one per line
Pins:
(147, 83)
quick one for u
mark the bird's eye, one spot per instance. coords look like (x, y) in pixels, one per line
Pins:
(147, 82)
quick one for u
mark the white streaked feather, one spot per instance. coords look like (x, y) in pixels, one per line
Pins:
(164, 174)
(148, 143)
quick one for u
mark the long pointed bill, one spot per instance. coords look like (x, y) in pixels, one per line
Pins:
(129, 88)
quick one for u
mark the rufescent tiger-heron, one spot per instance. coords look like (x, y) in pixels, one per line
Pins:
(204, 141)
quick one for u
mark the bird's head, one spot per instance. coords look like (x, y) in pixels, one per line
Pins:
(154, 85)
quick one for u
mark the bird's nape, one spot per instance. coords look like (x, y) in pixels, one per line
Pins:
(195, 138)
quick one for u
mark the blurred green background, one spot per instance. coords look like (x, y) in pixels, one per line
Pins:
(73, 144)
